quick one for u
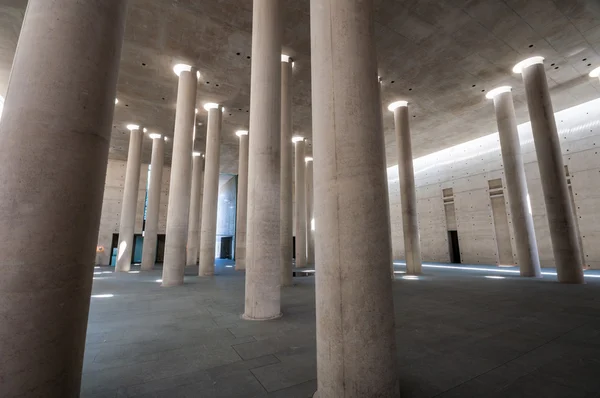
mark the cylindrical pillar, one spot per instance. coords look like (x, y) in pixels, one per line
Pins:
(152, 211)
(181, 178)
(356, 353)
(130, 197)
(242, 203)
(55, 133)
(310, 233)
(287, 169)
(516, 182)
(408, 195)
(300, 193)
(263, 269)
(193, 242)
(210, 200)
(563, 229)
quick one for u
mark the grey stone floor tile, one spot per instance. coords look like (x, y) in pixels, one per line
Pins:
(533, 385)
(303, 390)
(161, 385)
(274, 344)
(225, 370)
(292, 370)
(458, 335)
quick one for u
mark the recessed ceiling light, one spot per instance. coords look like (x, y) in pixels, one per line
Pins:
(595, 72)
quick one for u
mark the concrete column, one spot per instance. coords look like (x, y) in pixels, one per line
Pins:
(408, 195)
(300, 193)
(516, 182)
(287, 169)
(310, 234)
(55, 133)
(130, 196)
(210, 199)
(242, 203)
(356, 353)
(153, 209)
(181, 177)
(563, 229)
(193, 242)
(387, 195)
(263, 252)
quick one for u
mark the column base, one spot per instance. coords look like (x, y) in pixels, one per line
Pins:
(248, 318)
(171, 284)
(316, 394)
(531, 275)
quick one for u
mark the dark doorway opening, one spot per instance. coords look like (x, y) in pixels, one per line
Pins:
(294, 247)
(160, 248)
(136, 253)
(454, 248)
(226, 247)
(113, 250)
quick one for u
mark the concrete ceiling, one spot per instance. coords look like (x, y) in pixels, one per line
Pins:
(440, 55)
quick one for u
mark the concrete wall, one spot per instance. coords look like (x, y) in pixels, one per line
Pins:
(111, 205)
(467, 168)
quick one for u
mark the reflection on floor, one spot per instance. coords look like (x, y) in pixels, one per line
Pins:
(460, 333)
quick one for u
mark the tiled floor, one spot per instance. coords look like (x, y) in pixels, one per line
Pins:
(459, 334)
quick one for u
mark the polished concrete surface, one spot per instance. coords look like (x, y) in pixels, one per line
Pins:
(459, 333)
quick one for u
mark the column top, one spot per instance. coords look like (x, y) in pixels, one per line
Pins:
(184, 68)
(499, 90)
(155, 136)
(116, 101)
(297, 138)
(595, 72)
(133, 127)
(211, 105)
(240, 133)
(196, 154)
(285, 58)
(394, 105)
(518, 68)
(308, 159)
